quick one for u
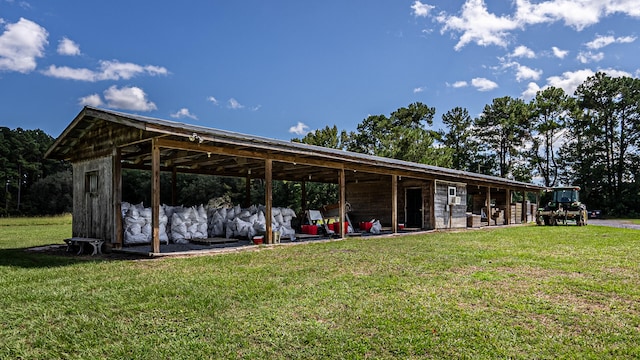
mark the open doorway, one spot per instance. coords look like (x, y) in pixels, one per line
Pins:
(413, 209)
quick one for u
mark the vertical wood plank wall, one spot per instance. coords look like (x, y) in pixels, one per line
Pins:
(102, 220)
(373, 200)
(450, 216)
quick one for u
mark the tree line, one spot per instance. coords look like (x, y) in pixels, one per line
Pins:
(588, 139)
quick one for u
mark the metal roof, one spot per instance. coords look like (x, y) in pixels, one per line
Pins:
(96, 132)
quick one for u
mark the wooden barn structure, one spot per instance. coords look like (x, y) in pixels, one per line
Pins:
(100, 143)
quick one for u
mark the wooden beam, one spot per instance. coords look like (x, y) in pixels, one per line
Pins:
(523, 214)
(394, 203)
(343, 201)
(488, 206)
(155, 197)
(507, 210)
(432, 205)
(117, 199)
(268, 199)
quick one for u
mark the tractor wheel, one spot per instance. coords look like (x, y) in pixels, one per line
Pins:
(546, 220)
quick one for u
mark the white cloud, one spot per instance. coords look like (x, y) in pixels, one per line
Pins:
(587, 57)
(109, 70)
(476, 24)
(522, 72)
(527, 73)
(523, 51)
(65, 72)
(570, 80)
(420, 9)
(483, 84)
(459, 84)
(68, 47)
(602, 41)
(20, 44)
(213, 100)
(574, 13)
(531, 91)
(128, 98)
(418, 89)
(234, 104)
(299, 129)
(560, 54)
(183, 113)
(91, 100)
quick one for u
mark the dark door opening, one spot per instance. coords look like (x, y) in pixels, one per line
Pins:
(91, 197)
(414, 208)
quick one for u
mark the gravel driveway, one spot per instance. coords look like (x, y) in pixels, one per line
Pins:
(613, 223)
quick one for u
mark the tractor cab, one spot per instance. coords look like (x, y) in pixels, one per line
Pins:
(566, 195)
(563, 204)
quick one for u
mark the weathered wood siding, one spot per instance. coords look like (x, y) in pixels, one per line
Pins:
(92, 199)
(450, 216)
(370, 200)
(427, 189)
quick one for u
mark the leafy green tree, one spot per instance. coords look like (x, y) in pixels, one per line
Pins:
(327, 137)
(549, 111)
(501, 130)
(460, 140)
(403, 135)
(605, 138)
(22, 164)
(51, 195)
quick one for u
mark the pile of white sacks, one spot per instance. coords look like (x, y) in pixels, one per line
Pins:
(137, 224)
(180, 224)
(236, 222)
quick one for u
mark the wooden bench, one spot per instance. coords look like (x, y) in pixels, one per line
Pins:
(81, 241)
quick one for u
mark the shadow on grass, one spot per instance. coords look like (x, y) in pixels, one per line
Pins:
(44, 257)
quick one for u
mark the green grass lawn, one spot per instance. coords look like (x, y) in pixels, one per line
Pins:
(518, 292)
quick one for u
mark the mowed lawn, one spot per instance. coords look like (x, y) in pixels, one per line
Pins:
(517, 292)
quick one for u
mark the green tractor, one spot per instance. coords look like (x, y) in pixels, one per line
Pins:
(564, 205)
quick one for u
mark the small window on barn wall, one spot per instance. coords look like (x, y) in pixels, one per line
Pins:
(91, 183)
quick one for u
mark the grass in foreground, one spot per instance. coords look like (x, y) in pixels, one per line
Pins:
(524, 292)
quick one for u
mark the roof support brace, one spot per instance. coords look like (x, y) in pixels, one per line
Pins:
(155, 196)
(268, 199)
(394, 203)
(343, 195)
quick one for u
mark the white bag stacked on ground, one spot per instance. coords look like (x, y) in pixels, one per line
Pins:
(236, 222)
(137, 224)
(188, 223)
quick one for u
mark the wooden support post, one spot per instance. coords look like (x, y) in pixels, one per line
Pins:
(303, 196)
(174, 186)
(343, 195)
(523, 218)
(394, 203)
(507, 210)
(432, 206)
(117, 199)
(268, 199)
(489, 217)
(155, 196)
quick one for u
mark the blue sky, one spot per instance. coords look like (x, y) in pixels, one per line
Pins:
(282, 68)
